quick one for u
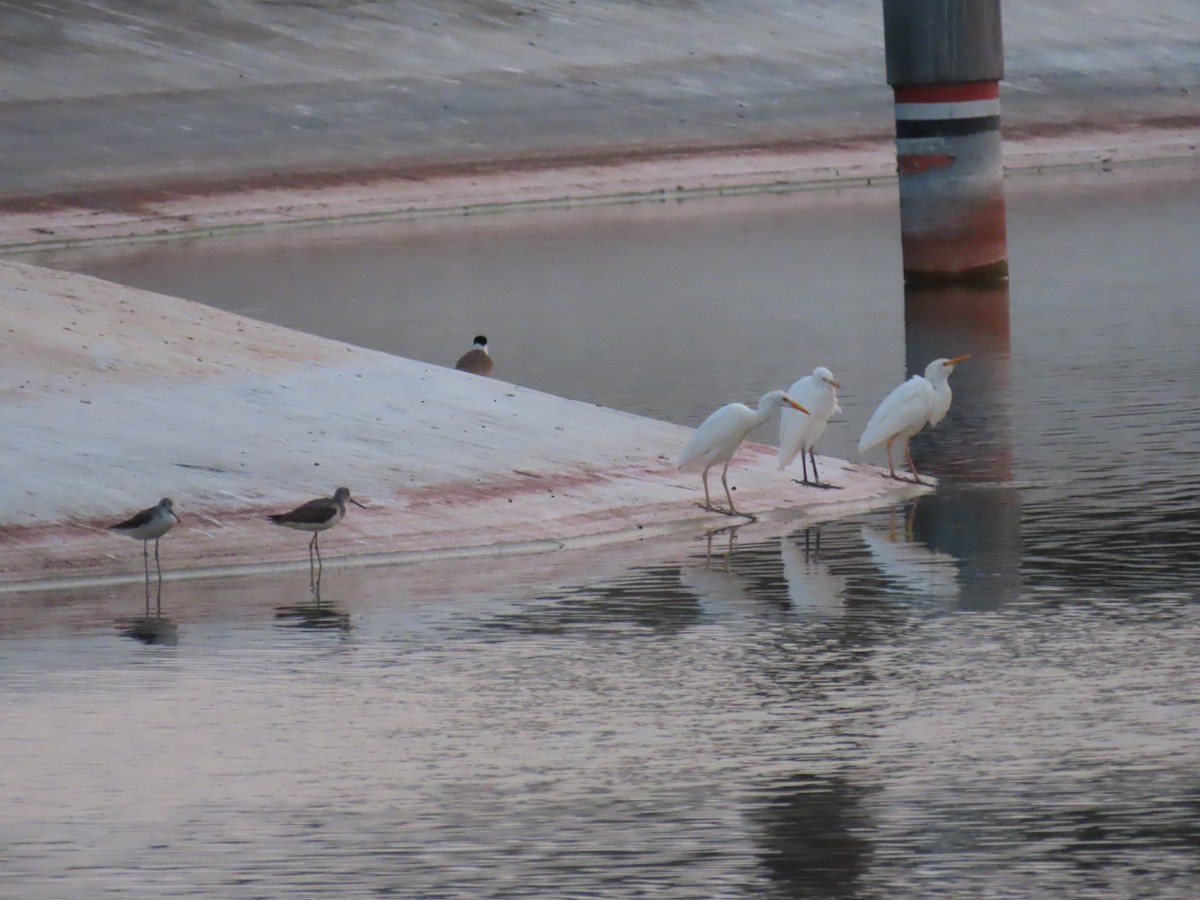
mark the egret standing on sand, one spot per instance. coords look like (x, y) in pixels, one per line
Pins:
(918, 402)
(477, 360)
(149, 525)
(719, 436)
(316, 516)
(798, 434)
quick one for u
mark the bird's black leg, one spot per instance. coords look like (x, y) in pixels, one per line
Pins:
(158, 568)
(146, 566)
(816, 479)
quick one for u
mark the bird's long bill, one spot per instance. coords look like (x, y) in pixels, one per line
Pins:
(836, 385)
(177, 519)
(355, 502)
(794, 405)
(957, 359)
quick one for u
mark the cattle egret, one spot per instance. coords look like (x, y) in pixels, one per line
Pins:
(719, 436)
(798, 434)
(918, 402)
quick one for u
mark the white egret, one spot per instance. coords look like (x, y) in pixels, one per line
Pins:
(798, 434)
(316, 516)
(477, 360)
(149, 525)
(918, 402)
(719, 436)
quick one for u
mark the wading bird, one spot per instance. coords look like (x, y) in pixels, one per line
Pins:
(719, 436)
(316, 516)
(798, 434)
(918, 402)
(477, 360)
(149, 525)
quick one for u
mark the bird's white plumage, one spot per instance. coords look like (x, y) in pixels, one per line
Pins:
(903, 413)
(719, 436)
(920, 401)
(799, 433)
(149, 524)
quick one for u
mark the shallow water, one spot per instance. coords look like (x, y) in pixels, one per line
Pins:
(990, 692)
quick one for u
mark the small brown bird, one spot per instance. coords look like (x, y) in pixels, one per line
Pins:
(477, 360)
(316, 516)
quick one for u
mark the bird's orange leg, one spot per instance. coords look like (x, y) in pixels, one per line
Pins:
(908, 454)
(891, 466)
(733, 511)
(707, 502)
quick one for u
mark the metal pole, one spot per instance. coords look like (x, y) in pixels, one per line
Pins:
(945, 59)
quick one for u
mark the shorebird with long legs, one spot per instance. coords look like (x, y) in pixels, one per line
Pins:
(316, 516)
(149, 525)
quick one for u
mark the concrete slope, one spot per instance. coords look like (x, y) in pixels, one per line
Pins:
(113, 398)
(107, 105)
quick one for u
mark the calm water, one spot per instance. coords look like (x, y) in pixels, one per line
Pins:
(990, 692)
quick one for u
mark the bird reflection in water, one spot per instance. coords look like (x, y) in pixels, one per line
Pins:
(150, 628)
(910, 565)
(314, 613)
(712, 581)
(812, 587)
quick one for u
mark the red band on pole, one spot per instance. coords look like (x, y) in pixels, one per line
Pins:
(916, 163)
(948, 93)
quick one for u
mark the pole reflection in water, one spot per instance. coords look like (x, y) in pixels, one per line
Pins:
(811, 836)
(975, 514)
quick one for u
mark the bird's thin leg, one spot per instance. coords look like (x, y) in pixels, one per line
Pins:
(311, 567)
(803, 468)
(813, 457)
(912, 467)
(725, 481)
(891, 465)
(158, 567)
(707, 502)
(146, 565)
(317, 547)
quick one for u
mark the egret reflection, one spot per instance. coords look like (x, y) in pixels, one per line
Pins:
(811, 584)
(910, 566)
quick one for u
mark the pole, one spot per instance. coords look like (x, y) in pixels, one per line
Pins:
(945, 59)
